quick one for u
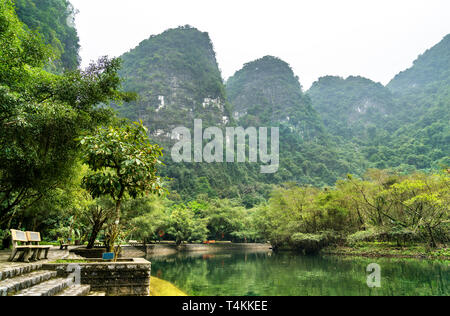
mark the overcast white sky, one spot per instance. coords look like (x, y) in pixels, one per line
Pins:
(372, 38)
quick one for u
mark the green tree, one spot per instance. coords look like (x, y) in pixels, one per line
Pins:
(123, 163)
(183, 225)
(41, 115)
(54, 19)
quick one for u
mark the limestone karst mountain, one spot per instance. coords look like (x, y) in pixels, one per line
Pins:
(404, 125)
(178, 80)
(339, 126)
(352, 107)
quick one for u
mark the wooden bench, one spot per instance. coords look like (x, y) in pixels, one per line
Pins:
(28, 244)
(63, 245)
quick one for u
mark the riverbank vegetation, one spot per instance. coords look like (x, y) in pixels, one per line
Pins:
(389, 250)
(382, 206)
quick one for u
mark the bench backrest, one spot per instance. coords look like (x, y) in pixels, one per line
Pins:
(18, 235)
(24, 237)
(34, 237)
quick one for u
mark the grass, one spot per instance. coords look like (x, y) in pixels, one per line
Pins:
(49, 243)
(72, 261)
(160, 287)
(387, 249)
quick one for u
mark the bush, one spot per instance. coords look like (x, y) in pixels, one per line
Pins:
(313, 243)
(363, 236)
(397, 234)
(4, 234)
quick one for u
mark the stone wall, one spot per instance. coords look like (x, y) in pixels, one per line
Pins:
(168, 249)
(128, 277)
(140, 251)
(225, 247)
(94, 253)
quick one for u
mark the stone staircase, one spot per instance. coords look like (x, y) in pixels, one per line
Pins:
(32, 280)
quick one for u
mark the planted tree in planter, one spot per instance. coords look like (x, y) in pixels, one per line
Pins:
(97, 216)
(123, 163)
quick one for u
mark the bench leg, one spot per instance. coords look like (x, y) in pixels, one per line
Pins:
(33, 255)
(26, 256)
(46, 253)
(22, 254)
(13, 254)
(36, 254)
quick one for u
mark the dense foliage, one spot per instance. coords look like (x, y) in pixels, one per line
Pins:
(54, 19)
(180, 66)
(41, 116)
(404, 125)
(123, 164)
(381, 207)
(353, 108)
(267, 93)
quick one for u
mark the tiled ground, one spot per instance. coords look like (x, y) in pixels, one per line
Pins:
(54, 254)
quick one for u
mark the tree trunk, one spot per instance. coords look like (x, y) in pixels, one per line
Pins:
(432, 241)
(114, 232)
(95, 231)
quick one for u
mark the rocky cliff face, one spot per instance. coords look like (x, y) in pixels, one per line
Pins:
(178, 80)
(350, 107)
(266, 92)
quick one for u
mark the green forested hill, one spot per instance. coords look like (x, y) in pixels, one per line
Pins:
(430, 68)
(177, 78)
(66, 159)
(353, 108)
(403, 126)
(423, 95)
(266, 92)
(54, 20)
(339, 126)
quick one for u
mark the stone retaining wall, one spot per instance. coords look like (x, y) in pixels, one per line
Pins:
(128, 277)
(138, 251)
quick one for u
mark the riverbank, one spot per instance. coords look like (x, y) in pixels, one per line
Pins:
(136, 251)
(160, 287)
(389, 250)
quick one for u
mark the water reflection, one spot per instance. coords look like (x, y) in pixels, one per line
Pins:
(267, 274)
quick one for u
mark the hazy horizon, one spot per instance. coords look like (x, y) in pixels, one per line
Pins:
(373, 39)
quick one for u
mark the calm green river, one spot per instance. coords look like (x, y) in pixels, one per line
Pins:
(270, 274)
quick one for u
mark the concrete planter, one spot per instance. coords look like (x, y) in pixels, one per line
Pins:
(93, 253)
(127, 277)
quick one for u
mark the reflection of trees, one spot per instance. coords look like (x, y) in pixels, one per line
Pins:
(288, 274)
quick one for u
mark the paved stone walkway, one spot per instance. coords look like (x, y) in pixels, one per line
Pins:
(54, 254)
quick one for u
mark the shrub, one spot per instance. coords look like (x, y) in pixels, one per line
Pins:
(4, 234)
(313, 243)
(363, 236)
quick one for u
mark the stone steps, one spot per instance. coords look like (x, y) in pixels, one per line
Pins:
(32, 280)
(97, 294)
(76, 290)
(48, 288)
(13, 285)
(18, 271)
